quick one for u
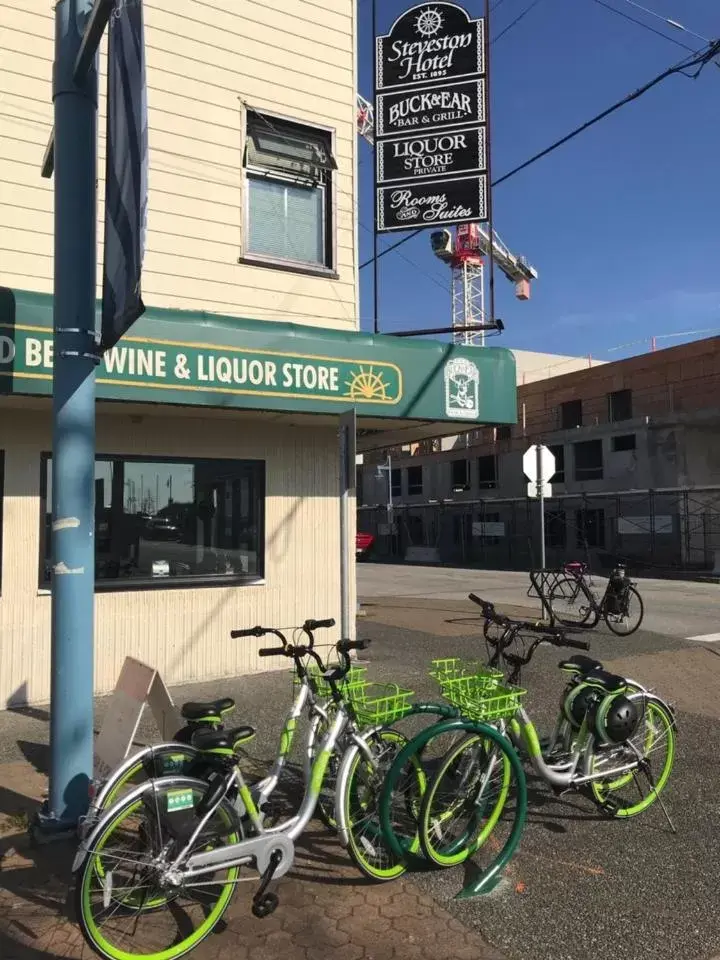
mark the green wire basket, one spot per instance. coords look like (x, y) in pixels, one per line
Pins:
(354, 676)
(379, 703)
(453, 668)
(478, 701)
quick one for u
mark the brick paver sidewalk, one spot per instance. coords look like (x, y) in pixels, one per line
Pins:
(325, 910)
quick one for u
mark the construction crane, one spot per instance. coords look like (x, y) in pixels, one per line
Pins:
(463, 250)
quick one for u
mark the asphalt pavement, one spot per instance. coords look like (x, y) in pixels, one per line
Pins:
(677, 608)
(580, 885)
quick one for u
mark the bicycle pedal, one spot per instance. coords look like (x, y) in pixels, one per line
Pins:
(265, 905)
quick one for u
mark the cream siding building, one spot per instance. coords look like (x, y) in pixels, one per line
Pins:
(207, 64)
(217, 459)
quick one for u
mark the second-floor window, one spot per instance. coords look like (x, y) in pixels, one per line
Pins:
(415, 481)
(289, 203)
(588, 460)
(487, 473)
(396, 482)
(460, 475)
(624, 443)
(570, 414)
(620, 405)
(559, 453)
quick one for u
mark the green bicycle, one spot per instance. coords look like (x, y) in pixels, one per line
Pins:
(183, 756)
(191, 839)
(612, 732)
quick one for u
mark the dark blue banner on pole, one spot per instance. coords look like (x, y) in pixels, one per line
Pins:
(126, 172)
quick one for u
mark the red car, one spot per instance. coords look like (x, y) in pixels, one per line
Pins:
(363, 544)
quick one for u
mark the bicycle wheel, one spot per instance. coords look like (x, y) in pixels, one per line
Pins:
(124, 877)
(571, 603)
(360, 799)
(627, 622)
(653, 744)
(466, 798)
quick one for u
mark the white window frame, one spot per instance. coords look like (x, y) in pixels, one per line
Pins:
(329, 199)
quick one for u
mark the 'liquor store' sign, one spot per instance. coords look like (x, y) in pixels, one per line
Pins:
(431, 137)
(435, 154)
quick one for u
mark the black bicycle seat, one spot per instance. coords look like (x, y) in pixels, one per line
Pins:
(200, 709)
(222, 741)
(580, 664)
(608, 681)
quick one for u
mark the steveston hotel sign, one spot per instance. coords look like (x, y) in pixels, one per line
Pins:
(430, 119)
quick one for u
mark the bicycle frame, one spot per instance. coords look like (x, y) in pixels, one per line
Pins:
(259, 848)
(576, 769)
(261, 791)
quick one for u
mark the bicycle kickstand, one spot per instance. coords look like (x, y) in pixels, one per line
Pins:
(645, 767)
(265, 903)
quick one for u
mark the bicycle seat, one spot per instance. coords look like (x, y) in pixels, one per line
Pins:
(207, 709)
(608, 681)
(580, 664)
(222, 741)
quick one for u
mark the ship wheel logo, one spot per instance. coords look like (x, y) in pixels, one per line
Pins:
(366, 385)
(428, 22)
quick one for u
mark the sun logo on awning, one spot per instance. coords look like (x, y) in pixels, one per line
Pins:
(367, 385)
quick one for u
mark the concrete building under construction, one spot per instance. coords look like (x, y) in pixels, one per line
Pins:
(637, 453)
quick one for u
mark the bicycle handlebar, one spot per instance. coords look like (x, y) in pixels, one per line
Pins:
(345, 646)
(558, 636)
(272, 652)
(249, 632)
(311, 625)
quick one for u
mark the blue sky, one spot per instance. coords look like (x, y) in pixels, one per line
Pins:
(622, 223)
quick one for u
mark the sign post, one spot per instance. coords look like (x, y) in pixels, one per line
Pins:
(348, 432)
(431, 137)
(539, 466)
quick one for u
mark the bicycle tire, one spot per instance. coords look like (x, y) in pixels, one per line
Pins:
(482, 821)
(604, 792)
(612, 627)
(365, 853)
(229, 830)
(568, 586)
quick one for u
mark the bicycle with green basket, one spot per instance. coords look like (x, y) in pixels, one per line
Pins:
(612, 731)
(609, 732)
(185, 755)
(193, 838)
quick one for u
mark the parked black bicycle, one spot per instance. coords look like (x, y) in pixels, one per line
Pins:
(574, 603)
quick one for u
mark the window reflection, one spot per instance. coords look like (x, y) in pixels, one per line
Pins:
(159, 520)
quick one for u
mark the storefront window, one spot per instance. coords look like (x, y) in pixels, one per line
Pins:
(168, 522)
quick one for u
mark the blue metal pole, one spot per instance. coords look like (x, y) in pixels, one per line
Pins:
(73, 461)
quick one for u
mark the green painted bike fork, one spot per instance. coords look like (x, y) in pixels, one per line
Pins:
(490, 877)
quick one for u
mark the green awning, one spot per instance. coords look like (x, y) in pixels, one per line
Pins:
(198, 358)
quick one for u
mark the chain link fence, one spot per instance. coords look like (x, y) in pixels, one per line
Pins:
(665, 531)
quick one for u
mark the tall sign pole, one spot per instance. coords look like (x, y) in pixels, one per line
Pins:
(348, 433)
(73, 444)
(71, 155)
(541, 497)
(539, 467)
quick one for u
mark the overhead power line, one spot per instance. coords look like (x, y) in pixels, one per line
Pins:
(698, 60)
(517, 20)
(645, 26)
(675, 24)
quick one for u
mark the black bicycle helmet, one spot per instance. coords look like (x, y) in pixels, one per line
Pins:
(576, 704)
(617, 719)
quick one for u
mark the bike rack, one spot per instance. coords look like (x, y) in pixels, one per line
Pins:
(542, 583)
(450, 721)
